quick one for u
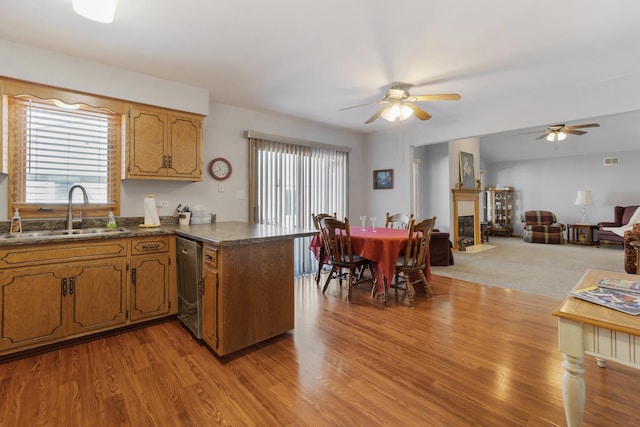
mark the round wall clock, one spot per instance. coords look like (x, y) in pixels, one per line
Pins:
(220, 168)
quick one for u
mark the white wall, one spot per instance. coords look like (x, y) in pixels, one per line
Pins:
(223, 132)
(224, 136)
(389, 148)
(552, 184)
(433, 197)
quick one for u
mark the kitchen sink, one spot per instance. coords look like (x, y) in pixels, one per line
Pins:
(63, 233)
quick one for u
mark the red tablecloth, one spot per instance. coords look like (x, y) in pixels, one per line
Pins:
(383, 247)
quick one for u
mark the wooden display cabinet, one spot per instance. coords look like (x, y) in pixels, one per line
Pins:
(499, 208)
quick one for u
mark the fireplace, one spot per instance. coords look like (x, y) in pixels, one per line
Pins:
(466, 231)
(466, 217)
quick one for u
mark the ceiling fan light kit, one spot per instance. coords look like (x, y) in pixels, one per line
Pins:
(400, 105)
(397, 111)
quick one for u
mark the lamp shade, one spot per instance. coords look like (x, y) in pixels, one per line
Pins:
(583, 198)
(96, 10)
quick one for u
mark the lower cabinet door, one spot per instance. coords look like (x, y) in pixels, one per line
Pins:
(98, 295)
(33, 305)
(210, 309)
(149, 286)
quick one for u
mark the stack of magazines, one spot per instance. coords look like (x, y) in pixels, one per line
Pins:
(618, 294)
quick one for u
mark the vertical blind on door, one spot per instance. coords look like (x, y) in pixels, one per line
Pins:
(289, 182)
(55, 147)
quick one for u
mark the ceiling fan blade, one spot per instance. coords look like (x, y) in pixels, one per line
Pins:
(375, 116)
(590, 125)
(574, 132)
(441, 97)
(384, 101)
(545, 134)
(527, 133)
(418, 112)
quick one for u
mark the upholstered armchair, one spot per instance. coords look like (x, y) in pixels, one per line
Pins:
(621, 217)
(630, 258)
(542, 227)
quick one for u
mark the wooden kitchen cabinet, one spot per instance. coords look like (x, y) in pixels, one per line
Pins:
(97, 295)
(163, 144)
(150, 278)
(33, 306)
(248, 293)
(210, 296)
(58, 291)
(49, 302)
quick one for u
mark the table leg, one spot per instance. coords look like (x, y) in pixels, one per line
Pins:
(573, 390)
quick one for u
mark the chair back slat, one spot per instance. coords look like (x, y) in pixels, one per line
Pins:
(398, 221)
(337, 239)
(415, 254)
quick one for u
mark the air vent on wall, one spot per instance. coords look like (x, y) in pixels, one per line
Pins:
(609, 161)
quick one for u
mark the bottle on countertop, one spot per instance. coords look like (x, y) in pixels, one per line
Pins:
(111, 221)
(16, 223)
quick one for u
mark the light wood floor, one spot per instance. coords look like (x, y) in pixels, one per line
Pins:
(474, 355)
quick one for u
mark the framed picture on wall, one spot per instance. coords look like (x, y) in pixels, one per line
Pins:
(467, 174)
(382, 179)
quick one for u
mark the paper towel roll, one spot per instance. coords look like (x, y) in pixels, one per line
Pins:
(151, 211)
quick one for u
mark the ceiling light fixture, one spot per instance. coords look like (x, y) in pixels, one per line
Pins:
(556, 136)
(397, 111)
(96, 10)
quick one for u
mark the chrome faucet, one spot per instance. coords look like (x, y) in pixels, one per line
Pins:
(69, 211)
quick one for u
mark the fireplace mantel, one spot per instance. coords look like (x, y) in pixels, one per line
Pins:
(466, 195)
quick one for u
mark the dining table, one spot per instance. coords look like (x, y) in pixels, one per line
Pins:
(382, 246)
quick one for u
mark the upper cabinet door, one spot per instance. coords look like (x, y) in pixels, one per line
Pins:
(185, 148)
(163, 144)
(147, 134)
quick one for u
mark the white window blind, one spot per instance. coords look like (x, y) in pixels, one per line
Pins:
(290, 182)
(54, 147)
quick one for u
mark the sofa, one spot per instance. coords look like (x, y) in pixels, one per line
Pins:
(440, 248)
(542, 227)
(630, 257)
(621, 217)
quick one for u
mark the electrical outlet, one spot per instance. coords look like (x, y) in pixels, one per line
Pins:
(220, 187)
(164, 204)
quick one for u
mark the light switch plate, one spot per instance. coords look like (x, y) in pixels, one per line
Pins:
(220, 187)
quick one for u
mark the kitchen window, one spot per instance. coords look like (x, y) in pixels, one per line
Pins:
(53, 146)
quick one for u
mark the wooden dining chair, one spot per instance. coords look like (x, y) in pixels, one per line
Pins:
(344, 263)
(322, 254)
(399, 221)
(411, 265)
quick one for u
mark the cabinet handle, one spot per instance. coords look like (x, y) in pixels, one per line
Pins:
(72, 282)
(208, 257)
(64, 286)
(169, 161)
(154, 246)
(133, 276)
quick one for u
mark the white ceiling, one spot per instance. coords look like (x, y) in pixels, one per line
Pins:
(310, 59)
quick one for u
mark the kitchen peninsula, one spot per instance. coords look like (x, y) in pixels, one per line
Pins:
(83, 284)
(248, 282)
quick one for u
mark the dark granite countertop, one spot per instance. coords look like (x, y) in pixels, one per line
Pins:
(219, 233)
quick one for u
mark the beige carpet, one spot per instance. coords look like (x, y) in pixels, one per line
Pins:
(550, 270)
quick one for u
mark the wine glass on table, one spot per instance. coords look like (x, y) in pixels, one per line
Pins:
(373, 223)
(363, 218)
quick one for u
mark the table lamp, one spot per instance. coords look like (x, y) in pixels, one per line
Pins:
(583, 199)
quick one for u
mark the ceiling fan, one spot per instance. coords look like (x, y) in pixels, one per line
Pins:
(559, 132)
(398, 105)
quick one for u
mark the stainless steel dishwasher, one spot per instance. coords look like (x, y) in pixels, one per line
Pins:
(189, 260)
